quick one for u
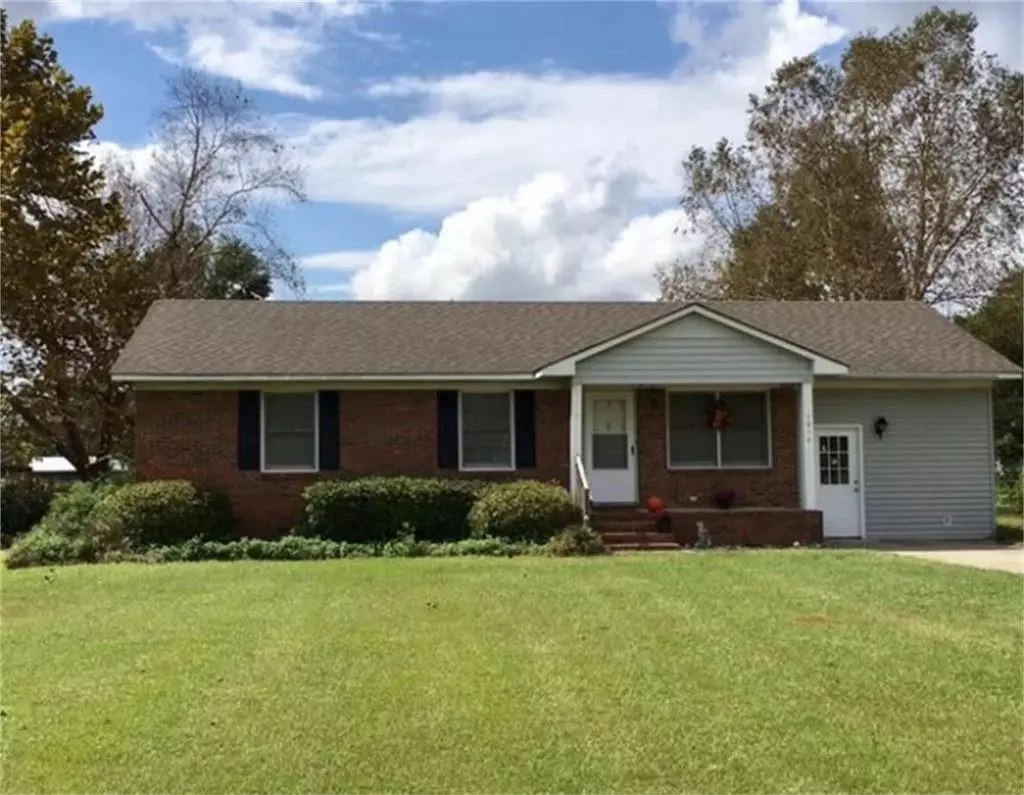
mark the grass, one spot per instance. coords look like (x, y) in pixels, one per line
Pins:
(793, 671)
(1009, 529)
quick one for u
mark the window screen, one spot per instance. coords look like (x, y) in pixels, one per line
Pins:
(609, 434)
(289, 430)
(691, 442)
(745, 440)
(486, 430)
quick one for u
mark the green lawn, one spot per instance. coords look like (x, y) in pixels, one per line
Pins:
(792, 671)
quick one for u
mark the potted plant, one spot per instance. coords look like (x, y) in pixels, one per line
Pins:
(725, 498)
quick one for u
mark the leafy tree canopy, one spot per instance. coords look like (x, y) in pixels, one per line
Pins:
(894, 174)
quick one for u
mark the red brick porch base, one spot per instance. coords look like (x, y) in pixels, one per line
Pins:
(748, 526)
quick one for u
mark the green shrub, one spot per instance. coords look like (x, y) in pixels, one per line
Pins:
(1011, 494)
(525, 510)
(24, 500)
(405, 546)
(161, 512)
(484, 547)
(73, 510)
(375, 510)
(41, 547)
(576, 540)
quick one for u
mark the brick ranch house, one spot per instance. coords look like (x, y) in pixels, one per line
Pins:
(852, 420)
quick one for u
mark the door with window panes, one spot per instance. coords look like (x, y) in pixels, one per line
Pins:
(839, 497)
(611, 447)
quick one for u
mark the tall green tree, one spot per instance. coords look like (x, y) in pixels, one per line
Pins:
(59, 263)
(896, 173)
(85, 251)
(1000, 323)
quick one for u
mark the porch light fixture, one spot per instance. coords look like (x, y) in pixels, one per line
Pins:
(881, 425)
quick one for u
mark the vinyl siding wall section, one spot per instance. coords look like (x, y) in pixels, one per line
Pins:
(694, 350)
(931, 477)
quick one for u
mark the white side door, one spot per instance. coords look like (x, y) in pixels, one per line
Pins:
(839, 481)
(610, 446)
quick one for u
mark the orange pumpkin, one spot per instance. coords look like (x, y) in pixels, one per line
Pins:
(655, 505)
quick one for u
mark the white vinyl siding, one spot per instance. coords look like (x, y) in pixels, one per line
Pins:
(694, 349)
(693, 444)
(486, 431)
(289, 427)
(930, 477)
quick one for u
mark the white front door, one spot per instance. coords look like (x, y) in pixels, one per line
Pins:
(611, 446)
(839, 481)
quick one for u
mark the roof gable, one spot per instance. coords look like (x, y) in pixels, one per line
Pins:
(820, 365)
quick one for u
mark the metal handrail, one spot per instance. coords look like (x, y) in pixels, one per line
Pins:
(583, 490)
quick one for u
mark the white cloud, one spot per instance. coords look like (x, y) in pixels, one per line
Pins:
(552, 238)
(108, 154)
(338, 261)
(266, 44)
(485, 133)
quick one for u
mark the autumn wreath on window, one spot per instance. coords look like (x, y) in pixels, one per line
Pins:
(718, 416)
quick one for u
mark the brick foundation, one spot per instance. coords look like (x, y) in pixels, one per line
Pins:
(193, 435)
(748, 527)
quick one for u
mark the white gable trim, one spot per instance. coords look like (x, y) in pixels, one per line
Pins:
(820, 365)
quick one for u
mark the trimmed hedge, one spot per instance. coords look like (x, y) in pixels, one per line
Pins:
(375, 510)
(24, 500)
(47, 549)
(525, 510)
(163, 521)
(161, 512)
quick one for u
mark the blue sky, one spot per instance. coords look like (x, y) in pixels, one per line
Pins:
(473, 150)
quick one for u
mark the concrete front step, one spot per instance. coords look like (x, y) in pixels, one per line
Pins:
(622, 540)
(622, 537)
(604, 525)
(659, 547)
(620, 512)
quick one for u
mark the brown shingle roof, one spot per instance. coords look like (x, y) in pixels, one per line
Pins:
(318, 338)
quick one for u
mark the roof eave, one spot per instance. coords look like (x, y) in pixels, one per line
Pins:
(164, 378)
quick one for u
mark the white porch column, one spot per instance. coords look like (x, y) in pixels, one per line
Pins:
(808, 453)
(575, 431)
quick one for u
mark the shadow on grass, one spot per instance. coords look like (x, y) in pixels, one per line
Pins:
(1009, 529)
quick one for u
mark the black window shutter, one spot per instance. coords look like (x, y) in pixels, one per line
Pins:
(249, 430)
(448, 429)
(330, 430)
(526, 431)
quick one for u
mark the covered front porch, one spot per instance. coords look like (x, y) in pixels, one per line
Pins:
(711, 416)
(738, 459)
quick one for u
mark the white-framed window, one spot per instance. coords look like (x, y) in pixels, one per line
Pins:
(486, 431)
(289, 422)
(744, 442)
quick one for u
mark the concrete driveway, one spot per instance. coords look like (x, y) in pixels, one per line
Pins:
(989, 556)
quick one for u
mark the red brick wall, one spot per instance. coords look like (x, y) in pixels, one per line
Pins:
(194, 435)
(776, 487)
(748, 528)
